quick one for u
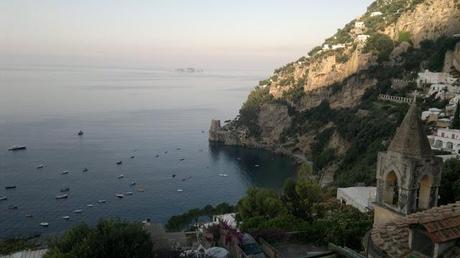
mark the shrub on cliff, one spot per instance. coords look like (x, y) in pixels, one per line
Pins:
(249, 112)
(381, 45)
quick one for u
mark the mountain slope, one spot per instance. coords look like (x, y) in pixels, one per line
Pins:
(325, 105)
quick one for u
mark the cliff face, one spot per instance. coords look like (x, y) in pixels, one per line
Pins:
(365, 58)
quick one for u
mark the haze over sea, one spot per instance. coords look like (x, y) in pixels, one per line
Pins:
(123, 112)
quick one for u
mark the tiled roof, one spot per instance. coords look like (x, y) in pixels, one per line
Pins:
(442, 224)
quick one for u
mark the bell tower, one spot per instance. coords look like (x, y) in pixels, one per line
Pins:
(408, 175)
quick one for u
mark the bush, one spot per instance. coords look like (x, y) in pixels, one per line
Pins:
(404, 36)
(110, 238)
(381, 45)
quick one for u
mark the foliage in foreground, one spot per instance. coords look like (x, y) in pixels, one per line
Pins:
(302, 208)
(109, 238)
(10, 246)
(450, 182)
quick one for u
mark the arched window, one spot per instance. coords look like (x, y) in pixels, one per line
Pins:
(391, 193)
(424, 193)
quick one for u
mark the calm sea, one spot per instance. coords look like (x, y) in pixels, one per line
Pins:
(159, 118)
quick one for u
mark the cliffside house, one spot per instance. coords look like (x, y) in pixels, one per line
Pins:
(407, 221)
(358, 197)
(431, 115)
(360, 26)
(362, 38)
(326, 47)
(430, 78)
(374, 14)
(338, 46)
(446, 139)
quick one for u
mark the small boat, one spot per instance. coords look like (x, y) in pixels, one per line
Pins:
(129, 193)
(62, 196)
(77, 211)
(29, 216)
(257, 165)
(8, 187)
(223, 175)
(85, 170)
(65, 172)
(132, 157)
(141, 190)
(133, 183)
(202, 131)
(166, 152)
(157, 156)
(119, 162)
(101, 201)
(44, 224)
(173, 175)
(13, 207)
(178, 149)
(90, 205)
(180, 190)
(16, 148)
(121, 176)
(182, 159)
(40, 166)
(65, 190)
(66, 217)
(3, 198)
(119, 195)
(80, 133)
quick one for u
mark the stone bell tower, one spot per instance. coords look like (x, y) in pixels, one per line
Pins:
(408, 175)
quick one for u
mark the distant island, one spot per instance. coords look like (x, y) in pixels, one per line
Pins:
(189, 70)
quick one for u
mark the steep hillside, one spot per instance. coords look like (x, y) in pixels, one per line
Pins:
(325, 105)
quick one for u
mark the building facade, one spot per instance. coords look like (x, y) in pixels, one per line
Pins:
(446, 139)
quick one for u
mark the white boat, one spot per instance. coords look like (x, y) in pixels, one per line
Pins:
(90, 205)
(65, 172)
(257, 165)
(28, 215)
(40, 166)
(180, 190)
(129, 193)
(101, 201)
(140, 190)
(17, 147)
(62, 196)
(133, 183)
(223, 175)
(3, 198)
(66, 217)
(44, 224)
(121, 176)
(77, 211)
(119, 195)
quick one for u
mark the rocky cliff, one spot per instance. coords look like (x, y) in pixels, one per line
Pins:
(324, 105)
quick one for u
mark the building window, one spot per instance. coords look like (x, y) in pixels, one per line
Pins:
(391, 193)
(449, 145)
(438, 144)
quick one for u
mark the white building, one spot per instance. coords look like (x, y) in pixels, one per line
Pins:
(358, 197)
(428, 77)
(326, 47)
(433, 113)
(374, 14)
(338, 46)
(359, 25)
(362, 38)
(443, 91)
(445, 139)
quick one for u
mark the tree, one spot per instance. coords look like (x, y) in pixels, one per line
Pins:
(260, 203)
(456, 121)
(450, 183)
(380, 44)
(109, 238)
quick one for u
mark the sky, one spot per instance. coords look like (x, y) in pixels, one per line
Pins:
(236, 34)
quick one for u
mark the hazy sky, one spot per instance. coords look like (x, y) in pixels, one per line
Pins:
(258, 34)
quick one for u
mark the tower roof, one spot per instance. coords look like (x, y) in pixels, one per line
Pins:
(410, 138)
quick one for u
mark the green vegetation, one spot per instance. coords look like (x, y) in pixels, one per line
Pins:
(456, 120)
(109, 238)
(450, 182)
(381, 45)
(302, 207)
(180, 222)
(249, 112)
(404, 36)
(10, 246)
